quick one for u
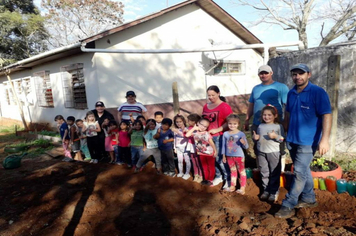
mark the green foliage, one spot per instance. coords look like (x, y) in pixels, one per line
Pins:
(37, 142)
(320, 162)
(347, 162)
(47, 133)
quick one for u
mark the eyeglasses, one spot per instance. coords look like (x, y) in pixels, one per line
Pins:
(203, 125)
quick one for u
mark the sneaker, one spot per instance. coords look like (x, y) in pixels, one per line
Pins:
(166, 173)
(172, 174)
(180, 175)
(119, 163)
(226, 185)
(217, 181)
(240, 191)
(129, 166)
(302, 204)
(273, 197)
(137, 170)
(87, 159)
(186, 176)
(285, 212)
(264, 196)
(206, 182)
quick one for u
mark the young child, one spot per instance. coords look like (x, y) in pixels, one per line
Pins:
(64, 132)
(269, 136)
(205, 148)
(142, 119)
(83, 140)
(165, 144)
(150, 135)
(108, 139)
(124, 144)
(91, 128)
(193, 119)
(114, 133)
(232, 143)
(74, 138)
(180, 146)
(158, 118)
(136, 132)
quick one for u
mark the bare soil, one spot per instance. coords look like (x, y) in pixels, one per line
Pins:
(46, 196)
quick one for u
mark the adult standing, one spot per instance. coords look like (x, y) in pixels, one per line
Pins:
(216, 111)
(100, 115)
(131, 108)
(308, 119)
(268, 92)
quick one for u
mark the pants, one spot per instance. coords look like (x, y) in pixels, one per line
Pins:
(269, 165)
(65, 146)
(125, 155)
(196, 164)
(85, 151)
(167, 159)
(183, 155)
(302, 187)
(156, 154)
(116, 154)
(136, 153)
(237, 164)
(221, 169)
(93, 147)
(208, 166)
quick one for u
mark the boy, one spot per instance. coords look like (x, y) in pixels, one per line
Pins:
(83, 140)
(165, 144)
(158, 118)
(74, 138)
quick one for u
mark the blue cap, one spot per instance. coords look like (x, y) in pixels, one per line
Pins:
(300, 66)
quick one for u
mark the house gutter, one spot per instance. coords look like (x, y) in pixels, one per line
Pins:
(266, 47)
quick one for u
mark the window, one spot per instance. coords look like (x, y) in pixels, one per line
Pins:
(9, 98)
(74, 86)
(230, 67)
(43, 89)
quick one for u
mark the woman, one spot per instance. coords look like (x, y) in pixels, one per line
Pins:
(131, 109)
(216, 111)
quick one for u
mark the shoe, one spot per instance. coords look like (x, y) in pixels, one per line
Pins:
(285, 212)
(87, 159)
(206, 182)
(264, 196)
(186, 176)
(129, 166)
(137, 170)
(166, 173)
(217, 181)
(180, 175)
(172, 174)
(273, 197)
(302, 204)
(226, 185)
(119, 163)
(241, 192)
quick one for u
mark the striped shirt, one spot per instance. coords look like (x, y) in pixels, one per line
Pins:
(136, 110)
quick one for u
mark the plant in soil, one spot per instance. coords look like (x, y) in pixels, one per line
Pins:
(321, 164)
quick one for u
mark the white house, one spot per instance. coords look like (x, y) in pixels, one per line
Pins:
(69, 80)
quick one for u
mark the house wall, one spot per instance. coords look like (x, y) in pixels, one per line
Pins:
(317, 60)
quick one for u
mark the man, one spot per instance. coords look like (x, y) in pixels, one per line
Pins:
(308, 119)
(131, 109)
(100, 115)
(268, 92)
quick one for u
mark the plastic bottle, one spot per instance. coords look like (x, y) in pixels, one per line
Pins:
(330, 182)
(341, 185)
(322, 185)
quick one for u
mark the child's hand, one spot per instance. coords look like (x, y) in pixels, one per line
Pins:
(255, 136)
(242, 141)
(165, 141)
(272, 135)
(224, 159)
(175, 150)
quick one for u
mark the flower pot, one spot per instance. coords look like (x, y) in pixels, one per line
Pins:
(337, 173)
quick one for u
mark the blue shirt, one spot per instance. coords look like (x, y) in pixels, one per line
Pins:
(274, 94)
(231, 145)
(306, 114)
(165, 136)
(62, 129)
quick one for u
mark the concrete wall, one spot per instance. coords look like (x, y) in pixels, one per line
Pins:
(317, 60)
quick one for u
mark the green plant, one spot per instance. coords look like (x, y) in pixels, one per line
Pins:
(320, 163)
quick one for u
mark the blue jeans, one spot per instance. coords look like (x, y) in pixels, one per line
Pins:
(302, 186)
(116, 154)
(221, 169)
(136, 153)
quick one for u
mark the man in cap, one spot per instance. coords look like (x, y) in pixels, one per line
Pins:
(308, 119)
(131, 108)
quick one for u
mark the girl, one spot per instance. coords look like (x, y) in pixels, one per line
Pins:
(64, 132)
(124, 144)
(136, 132)
(269, 136)
(205, 148)
(193, 119)
(114, 133)
(150, 135)
(92, 127)
(232, 152)
(180, 146)
(108, 139)
(142, 119)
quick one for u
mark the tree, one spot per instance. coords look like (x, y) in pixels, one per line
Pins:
(22, 31)
(339, 15)
(71, 20)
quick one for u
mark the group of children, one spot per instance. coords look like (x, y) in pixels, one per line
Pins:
(161, 139)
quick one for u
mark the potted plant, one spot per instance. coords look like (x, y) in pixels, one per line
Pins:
(320, 167)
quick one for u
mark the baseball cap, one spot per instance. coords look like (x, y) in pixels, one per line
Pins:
(265, 68)
(300, 66)
(130, 93)
(99, 104)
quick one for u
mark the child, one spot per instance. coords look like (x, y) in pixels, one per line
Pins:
(205, 148)
(181, 145)
(91, 128)
(269, 136)
(165, 144)
(108, 139)
(114, 133)
(150, 135)
(231, 150)
(124, 144)
(158, 118)
(74, 138)
(63, 130)
(142, 119)
(83, 140)
(136, 132)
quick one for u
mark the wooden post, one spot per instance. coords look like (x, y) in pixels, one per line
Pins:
(176, 107)
(333, 83)
(17, 101)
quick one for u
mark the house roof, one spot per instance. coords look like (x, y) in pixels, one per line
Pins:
(208, 6)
